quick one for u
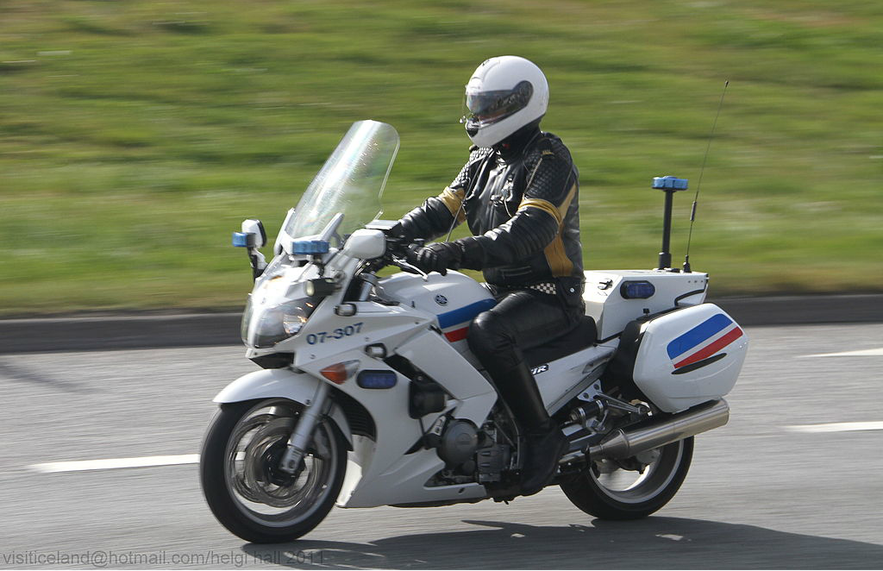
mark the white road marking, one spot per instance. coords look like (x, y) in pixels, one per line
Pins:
(115, 463)
(864, 353)
(837, 427)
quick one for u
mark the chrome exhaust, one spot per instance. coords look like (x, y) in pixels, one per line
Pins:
(624, 443)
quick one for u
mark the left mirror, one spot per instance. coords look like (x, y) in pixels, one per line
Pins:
(365, 244)
(253, 235)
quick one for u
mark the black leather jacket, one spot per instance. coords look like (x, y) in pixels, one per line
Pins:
(521, 202)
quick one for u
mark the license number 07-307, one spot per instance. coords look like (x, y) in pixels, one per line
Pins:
(339, 333)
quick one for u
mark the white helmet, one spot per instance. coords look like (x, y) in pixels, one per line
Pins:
(503, 95)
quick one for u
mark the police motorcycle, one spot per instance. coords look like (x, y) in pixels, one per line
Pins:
(368, 393)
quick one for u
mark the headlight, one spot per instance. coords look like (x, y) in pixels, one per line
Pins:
(279, 322)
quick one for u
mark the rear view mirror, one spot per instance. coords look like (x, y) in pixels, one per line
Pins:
(253, 235)
(365, 244)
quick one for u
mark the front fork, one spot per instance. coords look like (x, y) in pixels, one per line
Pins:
(302, 436)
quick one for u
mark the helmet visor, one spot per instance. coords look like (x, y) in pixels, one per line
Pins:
(488, 107)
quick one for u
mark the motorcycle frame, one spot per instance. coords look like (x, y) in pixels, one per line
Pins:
(381, 471)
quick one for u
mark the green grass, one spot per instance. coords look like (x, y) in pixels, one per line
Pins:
(135, 136)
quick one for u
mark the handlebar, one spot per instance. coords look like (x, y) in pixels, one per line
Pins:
(402, 254)
(399, 252)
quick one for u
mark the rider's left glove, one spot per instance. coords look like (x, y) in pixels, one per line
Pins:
(438, 257)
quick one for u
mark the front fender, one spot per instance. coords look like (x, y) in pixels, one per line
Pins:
(280, 383)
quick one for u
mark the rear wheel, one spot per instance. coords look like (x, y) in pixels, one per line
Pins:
(241, 479)
(608, 491)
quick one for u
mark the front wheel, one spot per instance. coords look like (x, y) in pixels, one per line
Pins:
(241, 479)
(608, 491)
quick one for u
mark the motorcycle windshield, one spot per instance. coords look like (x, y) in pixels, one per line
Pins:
(350, 182)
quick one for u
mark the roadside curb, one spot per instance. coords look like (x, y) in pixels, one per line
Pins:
(119, 332)
(213, 329)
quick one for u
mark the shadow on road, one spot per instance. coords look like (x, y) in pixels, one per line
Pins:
(10, 372)
(653, 543)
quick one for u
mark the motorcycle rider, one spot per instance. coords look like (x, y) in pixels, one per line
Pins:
(518, 193)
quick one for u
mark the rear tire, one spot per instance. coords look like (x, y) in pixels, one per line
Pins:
(246, 491)
(601, 493)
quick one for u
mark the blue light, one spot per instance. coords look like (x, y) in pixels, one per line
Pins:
(307, 247)
(243, 240)
(376, 379)
(637, 290)
(670, 182)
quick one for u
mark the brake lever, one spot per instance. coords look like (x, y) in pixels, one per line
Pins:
(410, 268)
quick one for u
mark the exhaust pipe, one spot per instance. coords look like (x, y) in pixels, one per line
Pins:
(624, 443)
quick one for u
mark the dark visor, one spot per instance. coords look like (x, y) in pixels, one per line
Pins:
(491, 106)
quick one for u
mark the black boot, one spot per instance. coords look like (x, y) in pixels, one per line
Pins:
(542, 450)
(544, 443)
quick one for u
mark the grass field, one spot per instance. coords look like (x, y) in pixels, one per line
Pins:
(136, 135)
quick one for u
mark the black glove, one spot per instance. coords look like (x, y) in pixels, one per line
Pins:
(438, 257)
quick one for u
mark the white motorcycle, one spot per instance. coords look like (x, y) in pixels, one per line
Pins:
(370, 396)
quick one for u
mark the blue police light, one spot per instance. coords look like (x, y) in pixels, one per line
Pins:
(308, 247)
(376, 379)
(670, 183)
(243, 240)
(637, 290)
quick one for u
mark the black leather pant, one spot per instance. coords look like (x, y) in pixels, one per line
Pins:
(522, 319)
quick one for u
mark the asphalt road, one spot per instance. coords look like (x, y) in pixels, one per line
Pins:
(759, 494)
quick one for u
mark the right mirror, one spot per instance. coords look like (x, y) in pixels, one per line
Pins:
(256, 227)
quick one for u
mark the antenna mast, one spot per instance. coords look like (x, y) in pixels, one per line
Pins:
(699, 184)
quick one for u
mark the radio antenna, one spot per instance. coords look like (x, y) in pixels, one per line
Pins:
(699, 184)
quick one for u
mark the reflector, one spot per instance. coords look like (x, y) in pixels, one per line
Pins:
(376, 379)
(637, 290)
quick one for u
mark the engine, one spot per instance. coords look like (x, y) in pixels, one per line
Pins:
(470, 454)
(458, 445)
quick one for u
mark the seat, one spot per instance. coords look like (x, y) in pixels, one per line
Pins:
(580, 337)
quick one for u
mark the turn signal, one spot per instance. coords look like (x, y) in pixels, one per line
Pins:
(340, 372)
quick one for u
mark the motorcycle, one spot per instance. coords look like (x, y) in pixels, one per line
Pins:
(368, 394)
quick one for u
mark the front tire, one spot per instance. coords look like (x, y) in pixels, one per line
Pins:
(241, 481)
(609, 492)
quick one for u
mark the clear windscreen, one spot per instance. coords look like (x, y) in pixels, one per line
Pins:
(350, 182)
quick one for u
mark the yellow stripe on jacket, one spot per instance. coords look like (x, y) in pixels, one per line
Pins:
(556, 256)
(453, 200)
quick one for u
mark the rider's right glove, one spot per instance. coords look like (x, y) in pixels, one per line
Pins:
(438, 257)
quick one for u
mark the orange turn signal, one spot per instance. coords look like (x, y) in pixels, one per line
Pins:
(340, 372)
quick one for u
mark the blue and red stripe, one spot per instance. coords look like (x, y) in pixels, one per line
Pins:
(700, 334)
(465, 315)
